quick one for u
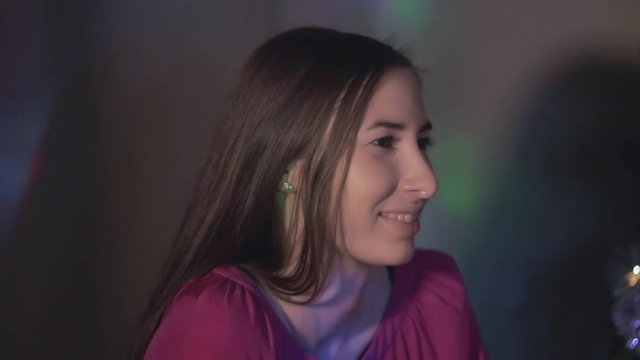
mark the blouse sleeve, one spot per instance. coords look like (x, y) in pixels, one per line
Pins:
(445, 307)
(210, 318)
(476, 346)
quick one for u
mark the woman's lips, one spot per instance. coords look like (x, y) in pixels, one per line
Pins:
(404, 217)
(406, 223)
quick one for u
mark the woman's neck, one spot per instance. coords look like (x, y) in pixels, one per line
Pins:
(344, 317)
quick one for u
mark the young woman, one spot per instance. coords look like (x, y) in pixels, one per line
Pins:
(299, 243)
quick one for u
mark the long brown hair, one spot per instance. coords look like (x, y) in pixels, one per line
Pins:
(302, 93)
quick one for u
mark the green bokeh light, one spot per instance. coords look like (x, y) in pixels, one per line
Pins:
(411, 12)
(456, 164)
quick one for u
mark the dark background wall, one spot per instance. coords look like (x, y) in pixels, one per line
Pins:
(106, 110)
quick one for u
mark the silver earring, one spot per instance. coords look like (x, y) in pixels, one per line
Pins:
(286, 187)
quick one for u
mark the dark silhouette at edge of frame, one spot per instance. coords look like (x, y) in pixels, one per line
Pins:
(568, 201)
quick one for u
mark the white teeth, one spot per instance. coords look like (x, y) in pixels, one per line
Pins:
(408, 218)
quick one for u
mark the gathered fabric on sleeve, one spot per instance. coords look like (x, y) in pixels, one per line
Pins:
(428, 315)
(216, 316)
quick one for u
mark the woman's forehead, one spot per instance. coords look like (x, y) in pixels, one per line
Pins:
(397, 99)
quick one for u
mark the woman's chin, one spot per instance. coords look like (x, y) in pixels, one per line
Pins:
(401, 256)
(392, 256)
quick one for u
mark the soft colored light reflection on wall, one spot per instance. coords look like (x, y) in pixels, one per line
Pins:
(403, 15)
(410, 12)
(456, 162)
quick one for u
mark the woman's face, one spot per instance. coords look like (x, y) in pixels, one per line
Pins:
(390, 177)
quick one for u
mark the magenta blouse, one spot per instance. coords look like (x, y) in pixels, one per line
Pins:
(224, 315)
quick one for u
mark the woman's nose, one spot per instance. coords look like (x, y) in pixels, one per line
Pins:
(420, 179)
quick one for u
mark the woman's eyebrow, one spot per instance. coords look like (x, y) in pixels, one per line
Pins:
(398, 126)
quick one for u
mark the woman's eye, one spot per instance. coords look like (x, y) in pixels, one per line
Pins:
(385, 142)
(425, 143)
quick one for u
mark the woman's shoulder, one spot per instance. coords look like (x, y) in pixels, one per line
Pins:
(434, 276)
(436, 320)
(217, 294)
(432, 258)
(220, 286)
(207, 315)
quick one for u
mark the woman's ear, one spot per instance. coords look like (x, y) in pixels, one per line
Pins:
(289, 183)
(291, 179)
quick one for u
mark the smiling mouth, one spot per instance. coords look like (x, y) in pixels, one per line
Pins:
(408, 224)
(402, 217)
